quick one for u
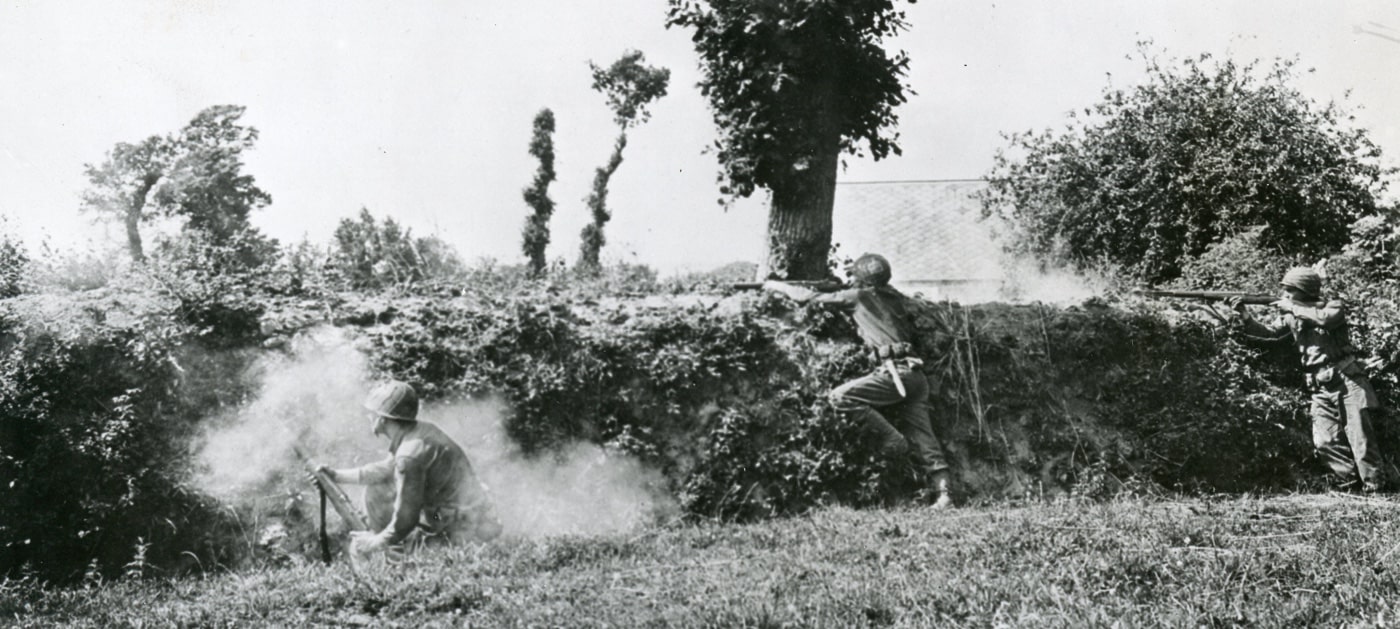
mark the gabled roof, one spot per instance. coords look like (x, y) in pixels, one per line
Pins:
(931, 231)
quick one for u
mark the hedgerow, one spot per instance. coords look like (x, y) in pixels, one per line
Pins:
(104, 390)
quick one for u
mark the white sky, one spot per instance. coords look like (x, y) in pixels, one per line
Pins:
(422, 110)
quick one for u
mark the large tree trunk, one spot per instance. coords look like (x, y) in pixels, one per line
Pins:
(799, 220)
(133, 235)
(132, 219)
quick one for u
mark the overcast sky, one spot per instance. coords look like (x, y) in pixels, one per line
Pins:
(422, 110)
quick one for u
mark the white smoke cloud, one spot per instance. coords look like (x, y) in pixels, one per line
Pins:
(312, 394)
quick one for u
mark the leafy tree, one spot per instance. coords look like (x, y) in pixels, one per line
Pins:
(14, 263)
(206, 182)
(1153, 175)
(195, 173)
(535, 235)
(629, 86)
(122, 187)
(371, 254)
(794, 84)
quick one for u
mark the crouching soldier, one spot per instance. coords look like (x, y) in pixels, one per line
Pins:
(425, 492)
(1343, 401)
(892, 401)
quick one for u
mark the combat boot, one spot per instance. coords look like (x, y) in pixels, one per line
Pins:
(941, 482)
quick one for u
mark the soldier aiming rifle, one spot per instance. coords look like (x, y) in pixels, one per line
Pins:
(891, 402)
(1343, 401)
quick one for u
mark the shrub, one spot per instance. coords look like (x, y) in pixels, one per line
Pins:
(1238, 263)
(93, 441)
(1154, 174)
(368, 254)
(14, 265)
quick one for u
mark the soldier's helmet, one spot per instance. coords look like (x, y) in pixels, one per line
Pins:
(395, 400)
(871, 270)
(1305, 279)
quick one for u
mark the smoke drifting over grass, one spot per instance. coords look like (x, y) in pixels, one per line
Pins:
(312, 394)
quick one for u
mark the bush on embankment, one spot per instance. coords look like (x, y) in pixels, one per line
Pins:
(727, 396)
(100, 395)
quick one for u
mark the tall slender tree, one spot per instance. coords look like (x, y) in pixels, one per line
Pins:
(535, 234)
(792, 85)
(630, 86)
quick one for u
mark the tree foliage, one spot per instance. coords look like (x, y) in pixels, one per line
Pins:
(630, 86)
(195, 174)
(1153, 175)
(372, 254)
(14, 263)
(535, 235)
(793, 84)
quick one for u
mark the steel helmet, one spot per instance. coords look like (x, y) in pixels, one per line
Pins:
(1305, 279)
(395, 400)
(871, 269)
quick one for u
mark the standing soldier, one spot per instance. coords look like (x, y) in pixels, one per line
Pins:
(1343, 401)
(425, 491)
(892, 401)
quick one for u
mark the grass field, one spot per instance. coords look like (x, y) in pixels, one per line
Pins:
(1323, 560)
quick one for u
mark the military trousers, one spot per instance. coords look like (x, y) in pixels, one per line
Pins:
(1342, 431)
(901, 423)
(436, 525)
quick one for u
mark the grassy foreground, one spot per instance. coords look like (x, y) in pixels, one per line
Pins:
(1304, 560)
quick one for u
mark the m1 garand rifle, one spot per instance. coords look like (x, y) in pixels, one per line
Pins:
(1253, 299)
(331, 492)
(821, 286)
(828, 286)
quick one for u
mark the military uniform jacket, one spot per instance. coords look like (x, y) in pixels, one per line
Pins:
(431, 475)
(881, 316)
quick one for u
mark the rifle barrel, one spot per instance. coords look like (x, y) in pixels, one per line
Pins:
(1255, 299)
(817, 285)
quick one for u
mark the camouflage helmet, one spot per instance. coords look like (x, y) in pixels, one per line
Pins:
(394, 400)
(871, 270)
(1305, 279)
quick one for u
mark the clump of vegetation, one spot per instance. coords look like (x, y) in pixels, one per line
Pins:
(1155, 174)
(370, 254)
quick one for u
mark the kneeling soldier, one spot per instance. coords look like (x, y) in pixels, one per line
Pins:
(892, 401)
(425, 492)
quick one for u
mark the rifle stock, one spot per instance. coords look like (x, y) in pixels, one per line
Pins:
(1254, 299)
(333, 493)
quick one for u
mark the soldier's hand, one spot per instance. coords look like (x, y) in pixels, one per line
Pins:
(1235, 303)
(319, 469)
(1221, 316)
(364, 543)
(1283, 305)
